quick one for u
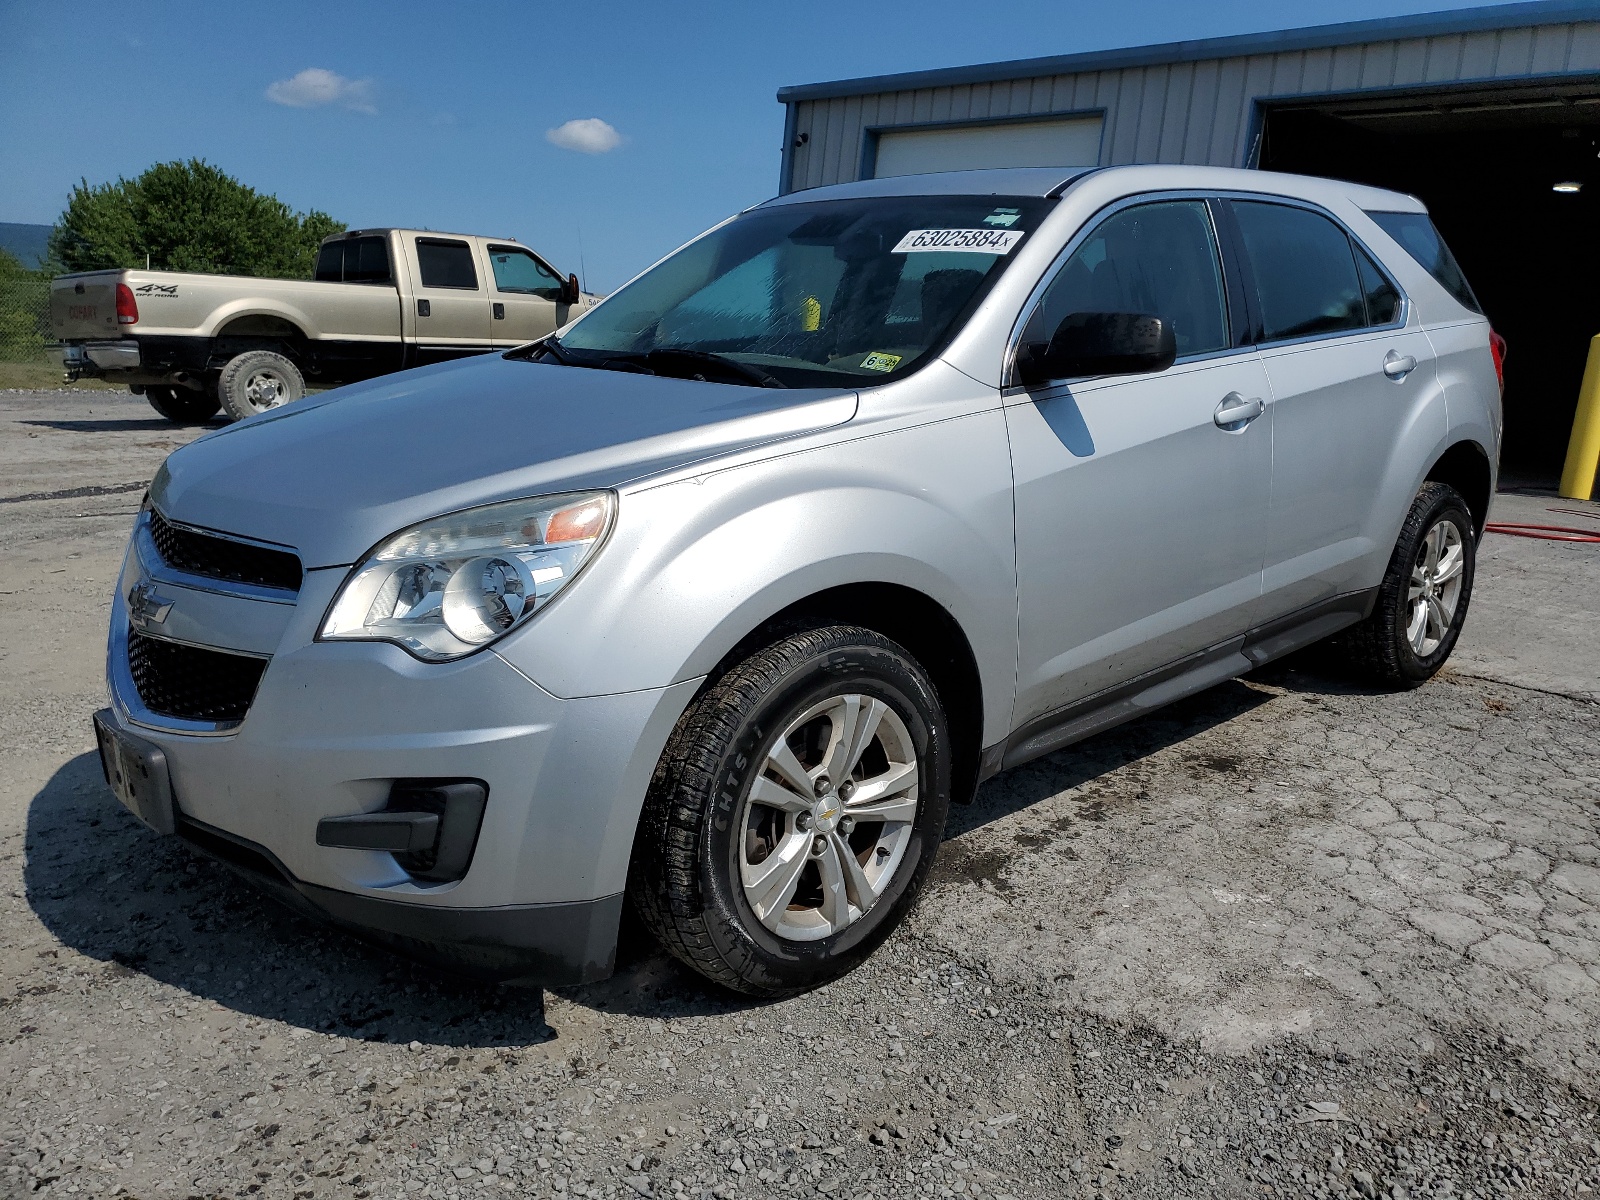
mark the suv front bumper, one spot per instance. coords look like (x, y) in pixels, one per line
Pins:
(333, 727)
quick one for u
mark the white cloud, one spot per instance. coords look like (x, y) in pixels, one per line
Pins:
(590, 135)
(314, 87)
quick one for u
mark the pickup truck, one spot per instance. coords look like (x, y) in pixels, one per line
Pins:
(380, 300)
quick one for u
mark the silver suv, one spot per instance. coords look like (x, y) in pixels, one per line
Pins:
(714, 601)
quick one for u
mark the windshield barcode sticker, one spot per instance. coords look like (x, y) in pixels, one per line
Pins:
(961, 241)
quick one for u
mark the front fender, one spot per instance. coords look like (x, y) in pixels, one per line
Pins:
(694, 566)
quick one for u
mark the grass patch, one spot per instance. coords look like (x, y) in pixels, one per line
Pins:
(46, 374)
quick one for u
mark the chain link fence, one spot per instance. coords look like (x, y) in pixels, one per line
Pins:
(24, 318)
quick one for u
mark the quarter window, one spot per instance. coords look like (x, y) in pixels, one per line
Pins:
(1159, 259)
(446, 264)
(1305, 271)
(1416, 233)
(516, 270)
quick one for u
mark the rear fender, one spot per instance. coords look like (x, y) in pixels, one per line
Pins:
(255, 306)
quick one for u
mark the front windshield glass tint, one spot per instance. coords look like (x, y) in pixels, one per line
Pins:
(831, 293)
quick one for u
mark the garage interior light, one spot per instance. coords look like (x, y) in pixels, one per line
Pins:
(1568, 187)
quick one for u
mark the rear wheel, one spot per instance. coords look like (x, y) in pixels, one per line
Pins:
(795, 813)
(181, 405)
(1422, 602)
(257, 381)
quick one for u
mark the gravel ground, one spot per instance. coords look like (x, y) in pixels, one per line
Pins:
(1288, 938)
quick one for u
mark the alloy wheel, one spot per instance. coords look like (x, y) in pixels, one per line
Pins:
(1435, 589)
(827, 820)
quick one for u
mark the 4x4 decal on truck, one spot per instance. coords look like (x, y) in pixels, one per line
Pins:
(157, 289)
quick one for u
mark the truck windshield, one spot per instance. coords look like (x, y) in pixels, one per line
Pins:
(811, 295)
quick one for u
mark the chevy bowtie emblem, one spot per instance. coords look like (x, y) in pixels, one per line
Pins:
(146, 606)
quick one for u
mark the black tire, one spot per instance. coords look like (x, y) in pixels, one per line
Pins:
(183, 406)
(257, 381)
(1379, 648)
(684, 879)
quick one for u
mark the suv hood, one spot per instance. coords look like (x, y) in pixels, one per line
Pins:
(333, 475)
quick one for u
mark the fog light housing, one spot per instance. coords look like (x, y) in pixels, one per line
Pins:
(429, 825)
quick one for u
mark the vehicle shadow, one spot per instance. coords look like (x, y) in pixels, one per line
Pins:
(110, 889)
(121, 425)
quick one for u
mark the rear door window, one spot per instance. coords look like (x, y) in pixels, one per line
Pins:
(1305, 271)
(1159, 259)
(1419, 238)
(446, 264)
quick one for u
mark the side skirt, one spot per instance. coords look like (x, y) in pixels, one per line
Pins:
(1193, 673)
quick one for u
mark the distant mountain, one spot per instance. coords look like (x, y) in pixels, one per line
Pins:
(27, 242)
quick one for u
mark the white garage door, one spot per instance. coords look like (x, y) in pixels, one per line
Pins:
(1072, 142)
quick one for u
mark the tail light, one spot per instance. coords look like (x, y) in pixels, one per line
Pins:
(128, 307)
(1497, 351)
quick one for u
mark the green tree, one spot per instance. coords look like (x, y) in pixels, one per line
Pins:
(186, 216)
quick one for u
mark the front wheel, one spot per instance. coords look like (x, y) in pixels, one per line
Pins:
(795, 812)
(258, 380)
(1422, 602)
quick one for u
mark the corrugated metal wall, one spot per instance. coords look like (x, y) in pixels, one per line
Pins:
(1189, 112)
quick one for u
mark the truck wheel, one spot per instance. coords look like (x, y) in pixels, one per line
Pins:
(1423, 599)
(795, 813)
(182, 406)
(258, 380)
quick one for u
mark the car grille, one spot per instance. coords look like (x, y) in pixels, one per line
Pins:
(223, 558)
(191, 683)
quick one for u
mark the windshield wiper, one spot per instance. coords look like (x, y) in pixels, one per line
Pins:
(668, 356)
(652, 362)
(548, 347)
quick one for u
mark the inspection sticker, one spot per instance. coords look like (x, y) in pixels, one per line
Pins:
(961, 241)
(878, 361)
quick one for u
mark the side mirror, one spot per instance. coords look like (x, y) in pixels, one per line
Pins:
(1099, 343)
(570, 291)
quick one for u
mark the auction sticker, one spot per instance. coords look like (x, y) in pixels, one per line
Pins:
(960, 241)
(879, 361)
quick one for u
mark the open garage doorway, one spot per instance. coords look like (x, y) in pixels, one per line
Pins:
(1512, 178)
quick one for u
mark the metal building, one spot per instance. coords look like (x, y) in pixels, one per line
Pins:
(1491, 115)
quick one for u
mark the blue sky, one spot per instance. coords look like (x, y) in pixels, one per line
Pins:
(437, 114)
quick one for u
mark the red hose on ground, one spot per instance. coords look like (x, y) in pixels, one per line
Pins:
(1545, 533)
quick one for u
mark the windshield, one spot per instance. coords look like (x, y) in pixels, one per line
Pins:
(811, 295)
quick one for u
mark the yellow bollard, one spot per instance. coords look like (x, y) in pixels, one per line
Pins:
(1583, 451)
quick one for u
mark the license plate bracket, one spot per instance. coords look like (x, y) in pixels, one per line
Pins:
(137, 773)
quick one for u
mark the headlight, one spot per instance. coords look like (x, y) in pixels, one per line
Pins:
(454, 584)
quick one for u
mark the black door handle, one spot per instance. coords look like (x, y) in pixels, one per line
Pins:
(424, 309)
(499, 311)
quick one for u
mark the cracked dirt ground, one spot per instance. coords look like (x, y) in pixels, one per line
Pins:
(1289, 937)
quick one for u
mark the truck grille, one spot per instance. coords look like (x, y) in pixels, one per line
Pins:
(223, 558)
(191, 683)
